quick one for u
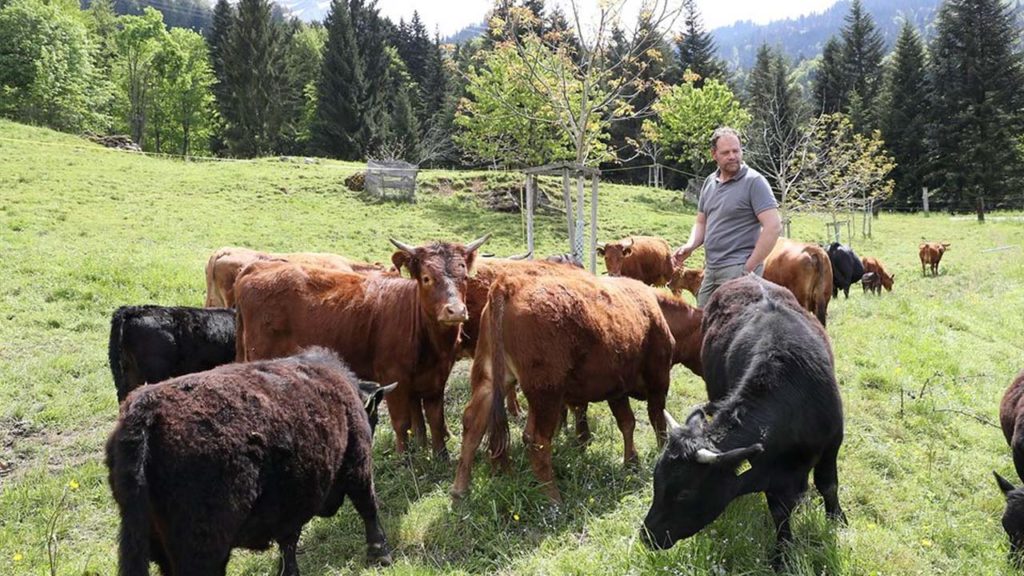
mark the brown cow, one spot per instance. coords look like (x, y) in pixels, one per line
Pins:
(806, 270)
(568, 340)
(225, 263)
(645, 258)
(931, 253)
(874, 265)
(1011, 420)
(387, 328)
(241, 456)
(688, 279)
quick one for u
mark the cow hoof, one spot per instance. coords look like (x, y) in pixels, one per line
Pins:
(379, 558)
(442, 456)
(457, 494)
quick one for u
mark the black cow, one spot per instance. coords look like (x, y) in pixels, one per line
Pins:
(1011, 420)
(241, 456)
(774, 401)
(149, 344)
(847, 269)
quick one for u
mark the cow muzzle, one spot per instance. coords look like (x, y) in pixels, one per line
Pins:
(452, 314)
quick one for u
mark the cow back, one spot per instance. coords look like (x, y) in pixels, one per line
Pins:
(806, 271)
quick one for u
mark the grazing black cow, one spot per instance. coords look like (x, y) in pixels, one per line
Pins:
(241, 456)
(1013, 517)
(149, 344)
(871, 281)
(847, 269)
(774, 401)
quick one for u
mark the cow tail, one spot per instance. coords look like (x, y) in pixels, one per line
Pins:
(211, 285)
(497, 426)
(115, 352)
(127, 455)
(239, 335)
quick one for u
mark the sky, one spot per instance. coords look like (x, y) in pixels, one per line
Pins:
(450, 16)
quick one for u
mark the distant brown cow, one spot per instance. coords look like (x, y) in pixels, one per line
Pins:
(241, 456)
(224, 265)
(874, 265)
(806, 270)
(931, 253)
(387, 328)
(688, 279)
(645, 258)
(569, 341)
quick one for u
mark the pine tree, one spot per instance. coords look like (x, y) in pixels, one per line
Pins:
(253, 60)
(337, 127)
(904, 120)
(863, 48)
(223, 18)
(830, 81)
(775, 105)
(373, 58)
(976, 115)
(696, 48)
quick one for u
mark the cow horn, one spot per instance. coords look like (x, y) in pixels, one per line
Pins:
(477, 243)
(403, 246)
(672, 424)
(705, 456)
(523, 256)
(631, 241)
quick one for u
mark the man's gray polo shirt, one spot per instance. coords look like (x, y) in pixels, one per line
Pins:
(730, 211)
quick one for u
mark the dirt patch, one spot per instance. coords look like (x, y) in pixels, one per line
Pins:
(26, 445)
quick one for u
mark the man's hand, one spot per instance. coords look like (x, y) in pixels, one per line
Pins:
(680, 255)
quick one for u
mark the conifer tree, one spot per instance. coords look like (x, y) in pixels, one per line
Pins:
(223, 17)
(863, 48)
(976, 114)
(904, 119)
(697, 48)
(830, 81)
(337, 127)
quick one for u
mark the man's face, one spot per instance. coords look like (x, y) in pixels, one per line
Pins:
(728, 154)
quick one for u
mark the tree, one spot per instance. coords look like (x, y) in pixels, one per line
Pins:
(184, 91)
(905, 116)
(686, 118)
(830, 86)
(304, 59)
(220, 29)
(138, 43)
(373, 58)
(840, 169)
(337, 128)
(775, 134)
(46, 68)
(696, 49)
(260, 115)
(862, 51)
(976, 114)
(504, 118)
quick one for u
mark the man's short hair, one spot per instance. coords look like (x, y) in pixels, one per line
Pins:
(723, 131)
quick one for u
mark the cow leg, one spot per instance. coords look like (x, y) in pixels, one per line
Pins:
(418, 427)
(579, 413)
(826, 480)
(846, 292)
(781, 505)
(398, 408)
(360, 492)
(199, 561)
(627, 424)
(545, 425)
(289, 546)
(656, 414)
(434, 407)
(512, 401)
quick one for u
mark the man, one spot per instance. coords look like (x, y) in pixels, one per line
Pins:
(737, 218)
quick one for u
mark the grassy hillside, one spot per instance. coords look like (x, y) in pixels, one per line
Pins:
(84, 230)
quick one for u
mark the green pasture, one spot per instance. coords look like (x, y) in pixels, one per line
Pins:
(84, 230)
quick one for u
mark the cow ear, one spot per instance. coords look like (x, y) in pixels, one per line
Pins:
(626, 252)
(695, 421)
(401, 259)
(600, 250)
(1004, 484)
(374, 400)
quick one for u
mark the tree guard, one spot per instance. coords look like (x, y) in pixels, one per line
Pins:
(575, 222)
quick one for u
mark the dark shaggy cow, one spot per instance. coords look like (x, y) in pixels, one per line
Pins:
(774, 401)
(569, 340)
(241, 456)
(871, 282)
(1011, 420)
(847, 269)
(930, 254)
(149, 344)
(387, 328)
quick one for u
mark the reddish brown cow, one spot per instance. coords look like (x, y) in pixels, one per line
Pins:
(805, 270)
(1011, 420)
(568, 340)
(931, 253)
(874, 265)
(387, 328)
(645, 258)
(224, 265)
(688, 279)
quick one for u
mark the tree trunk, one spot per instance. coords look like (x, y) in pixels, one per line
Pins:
(980, 207)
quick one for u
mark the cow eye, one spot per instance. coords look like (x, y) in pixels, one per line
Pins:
(426, 279)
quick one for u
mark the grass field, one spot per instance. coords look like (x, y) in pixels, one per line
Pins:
(84, 230)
